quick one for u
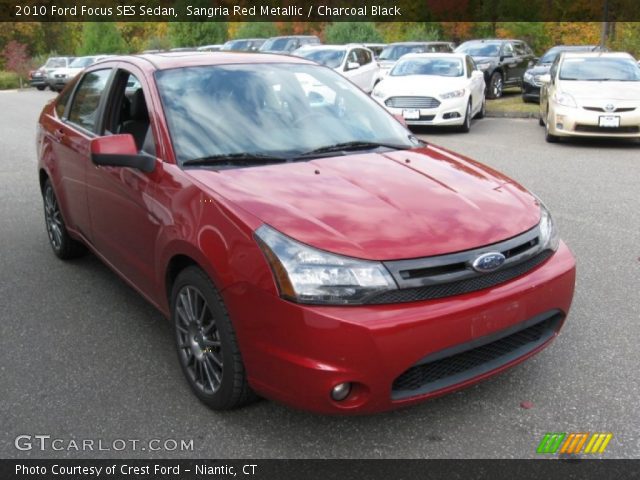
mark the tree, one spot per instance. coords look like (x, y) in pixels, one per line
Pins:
(256, 30)
(16, 59)
(194, 34)
(352, 32)
(421, 32)
(101, 37)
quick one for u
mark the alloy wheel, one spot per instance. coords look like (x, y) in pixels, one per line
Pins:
(53, 218)
(199, 345)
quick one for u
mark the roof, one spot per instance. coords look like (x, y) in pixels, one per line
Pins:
(420, 43)
(460, 56)
(167, 60)
(597, 54)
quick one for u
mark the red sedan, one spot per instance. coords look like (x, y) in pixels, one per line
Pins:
(307, 247)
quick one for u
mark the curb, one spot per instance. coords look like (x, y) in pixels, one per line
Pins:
(511, 114)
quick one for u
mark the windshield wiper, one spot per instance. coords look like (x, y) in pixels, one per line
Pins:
(234, 159)
(350, 147)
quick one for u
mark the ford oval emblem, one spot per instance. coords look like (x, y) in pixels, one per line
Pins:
(488, 262)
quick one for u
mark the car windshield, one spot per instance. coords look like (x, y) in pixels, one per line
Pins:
(551, 54)
(394, 52)
(236, 45)
(443, 67)
(277, 45)
(82, 62)
(276, 110)
(600, 69)
(331, 58)
(477, 49)
(55, 63)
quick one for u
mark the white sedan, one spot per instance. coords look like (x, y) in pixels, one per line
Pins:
(434, 89)
(354, 62)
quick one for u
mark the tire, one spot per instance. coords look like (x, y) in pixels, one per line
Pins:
(547, 136)
(40, 87)
(540, 121)
(206, 343)
(483, 109)
(496, 85)
(466, 125)
(61, 242)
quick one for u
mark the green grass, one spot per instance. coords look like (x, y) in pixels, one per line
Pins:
(511, 101)
(9, 80)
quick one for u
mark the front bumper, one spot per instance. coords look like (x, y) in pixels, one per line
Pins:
(530, 91)
(451, 112)
(296, 354)
(580, 122)
(38, 82)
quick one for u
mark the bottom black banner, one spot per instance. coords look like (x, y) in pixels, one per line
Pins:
(319, 469)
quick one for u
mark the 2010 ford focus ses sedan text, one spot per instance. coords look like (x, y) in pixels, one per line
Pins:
(307, 247)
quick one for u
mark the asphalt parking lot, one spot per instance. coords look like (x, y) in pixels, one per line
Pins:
(82, 356)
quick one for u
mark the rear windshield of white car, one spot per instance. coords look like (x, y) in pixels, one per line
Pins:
(397, 51)
(329, 58)
(480, 49)
(599, 69)
(441, 67)
(271, 109)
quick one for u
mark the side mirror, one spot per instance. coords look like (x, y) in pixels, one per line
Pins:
(120, 151)
(545, 78)
(352, 66)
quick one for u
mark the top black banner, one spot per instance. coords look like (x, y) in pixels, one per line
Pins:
(319, 10)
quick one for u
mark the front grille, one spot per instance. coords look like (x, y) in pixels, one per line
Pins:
(460, 287)
(606, 130)
(412, 102)
(444, 371)
(616, 110)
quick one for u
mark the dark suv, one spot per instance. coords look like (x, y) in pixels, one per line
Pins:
(502, 61)
(288, 44)
(531, 82)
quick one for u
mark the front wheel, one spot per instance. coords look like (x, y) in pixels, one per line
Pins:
(206, 342)
(547, 135)
(496, 85)
(466, 125)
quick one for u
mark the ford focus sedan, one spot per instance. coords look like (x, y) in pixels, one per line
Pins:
(591, 95)
(443, 89)
(305, 245)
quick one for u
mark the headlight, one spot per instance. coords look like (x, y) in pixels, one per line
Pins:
(549, 237)
(528, 76)
(308, 275)
(484, 66)
(378, 92)
(564, 99)
(454, 94)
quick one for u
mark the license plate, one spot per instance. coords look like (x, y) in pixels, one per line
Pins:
(411, 114)
(610, 121)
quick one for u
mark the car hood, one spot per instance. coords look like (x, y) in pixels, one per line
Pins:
(403, 204)
(421, 84)
(601, 91)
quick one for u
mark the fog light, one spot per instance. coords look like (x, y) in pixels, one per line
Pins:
(559, 126)
(341, 391)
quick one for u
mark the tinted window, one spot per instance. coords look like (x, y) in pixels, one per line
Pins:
(61, 102)
(507, 49)
(395, 52)
(480, 49)
(84, 107)
(329, 57)
(519, 49)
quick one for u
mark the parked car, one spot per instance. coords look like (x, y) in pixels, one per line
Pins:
(434, 89)
(591, 95)
(392, 53)
(252, 215)
(183, 49)
(502, 61)
(209, 48)
(353, 61)
(531, 80)
(376, 48)
(244, 44)
(61, 76)
(288, 44)
(40, 77)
